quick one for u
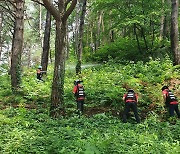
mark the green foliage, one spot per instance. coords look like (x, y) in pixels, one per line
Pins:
(27, 130)
(24, 131)
(126, 49)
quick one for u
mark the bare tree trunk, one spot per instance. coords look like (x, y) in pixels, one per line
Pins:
(57, 94)
(162, 24)
(67, 42)
(76, 36)
(61, 15)
(17, 46)
(1, 42)
(137, 39)
(175, 32)
(144, 37)
(46, 42)
(99, 29)
(91, 38)
(81, 32)
(153, 33)
(40, 26)
(167, 18)
(29, 57)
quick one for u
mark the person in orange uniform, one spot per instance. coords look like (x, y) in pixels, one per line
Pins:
(130, 99)
(79, 93)
(170, 101)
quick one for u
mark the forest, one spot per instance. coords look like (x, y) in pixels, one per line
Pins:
(89, 76)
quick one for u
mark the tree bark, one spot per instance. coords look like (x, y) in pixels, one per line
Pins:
(175, 32)
(57, 94)
(167, 18)
(60, 15)
(17, 46)
(162, 24)
(40, 26)
(46, 42)
(144, 38)
(1, 24)
(80, 42)
(137, 39)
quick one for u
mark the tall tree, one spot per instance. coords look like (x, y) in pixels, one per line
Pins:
(1, 24)
(46, 42)
(60, 14)
(17, 45)
(175, 32)
(81, 32)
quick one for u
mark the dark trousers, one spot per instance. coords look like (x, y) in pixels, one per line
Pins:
(172, 108)
(80, 105)
(39, 76)
(133, 106)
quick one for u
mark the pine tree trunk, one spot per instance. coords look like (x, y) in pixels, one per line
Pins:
(1, 24)
(61, 15)
(46, 42)
(80, 42)
(167, 18)
(57, 94)
(17, 46)
(137, 39)
(162, 25)
(175, 32)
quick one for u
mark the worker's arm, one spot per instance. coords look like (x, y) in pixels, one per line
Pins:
(164, 97)
(136, 95)
(74, 89)
(124, 97)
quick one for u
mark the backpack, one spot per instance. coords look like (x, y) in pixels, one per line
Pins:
(130, 97)
(80, 92)
(170, 97)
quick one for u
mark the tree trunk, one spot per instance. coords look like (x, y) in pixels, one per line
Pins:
(61, 15)
(57, 94)
(1, 42)
(162, 24)
(137, 39)
(29, 57)
(67, 42)
(76, 33)
(99, 29)
(144, 38)
(175, 32)
(46, 42)
(17, 46)
(167, 18)
(40, 26)
(80, 42)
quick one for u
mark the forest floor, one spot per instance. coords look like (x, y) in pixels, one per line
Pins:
(90, 111)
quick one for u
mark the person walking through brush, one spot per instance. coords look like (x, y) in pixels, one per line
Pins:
(130, 99)
(79, 93)
(170, 101)
(40, 73)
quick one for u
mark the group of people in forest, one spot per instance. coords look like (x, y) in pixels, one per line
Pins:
(131, 99)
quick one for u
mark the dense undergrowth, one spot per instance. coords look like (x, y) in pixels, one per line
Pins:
(31, 131)
(126, 49)
(27, 128)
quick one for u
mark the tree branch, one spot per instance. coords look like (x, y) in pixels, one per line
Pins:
(37, 1)
(52, 9)
(69, 10)
(8, 10)
(12, 3)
